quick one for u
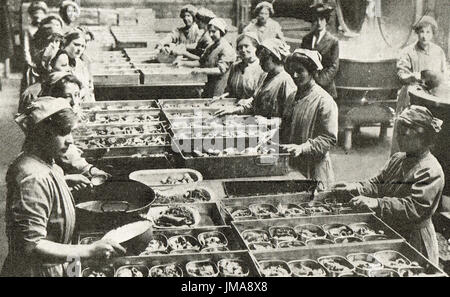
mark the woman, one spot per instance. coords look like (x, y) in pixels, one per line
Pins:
(271, 96)
(69, 12)
(407, 191)
(75, 46)
(64, 85)
(195, 51)
(37, 12)
(188, 35)
(423, 55)
(47, 40)
(246, 75)
(310, 122)
(326, 44)
(219, 55)
(40, 211)
(263, 25)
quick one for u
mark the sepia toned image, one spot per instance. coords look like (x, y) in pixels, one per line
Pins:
(225, 138)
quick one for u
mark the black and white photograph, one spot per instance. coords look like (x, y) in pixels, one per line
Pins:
(224, 143)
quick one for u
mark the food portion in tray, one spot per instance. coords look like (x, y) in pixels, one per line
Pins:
(303, 268)
(233, 268)
(106, 118)
(212, 239)
(202, 269)
(183, 243)
(157, 244)
(337, 230)
(177, 180)
(316, 208)
(121, 142)
(283, 233)
(363, 229)
(86, 131)
(188, 196)
(168, 270)
(275, 268)
(336, 264)
(106, 271)
(176, 216)
(132, 271)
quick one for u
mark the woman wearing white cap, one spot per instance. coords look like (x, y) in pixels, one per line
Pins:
(40, 210)
(271, 96)
(423, 55)
(219, 55)
(69, 12)
(310, 121)
(263, 25)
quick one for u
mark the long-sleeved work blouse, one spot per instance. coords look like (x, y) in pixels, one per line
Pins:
(39, 206)
(221, 55)
(244, 79)
(271, 97)
(271, 29)
(183, 35)
(409, 190)
(311, 120)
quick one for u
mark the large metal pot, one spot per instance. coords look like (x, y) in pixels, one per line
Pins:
(112, 204)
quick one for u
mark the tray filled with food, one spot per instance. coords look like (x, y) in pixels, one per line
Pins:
(230, 122)
(217, 162)
(196, 194)
(123, 145)
(380, 259)
(303, 232)
(119, 105)
(224, 264)
(119, 129)
(120, 117)
(195, 103)
(178, 216)
(184, 241)
(166, 179)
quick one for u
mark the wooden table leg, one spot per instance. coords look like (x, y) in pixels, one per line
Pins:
(348, 138)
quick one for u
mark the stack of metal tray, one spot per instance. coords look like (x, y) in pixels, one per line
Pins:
(162, 74)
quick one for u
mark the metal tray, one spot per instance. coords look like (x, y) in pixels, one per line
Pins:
(94, 118)
(120, 105)
(130, 77)
(371, 219)
(97, 153)
(177, 195)
(153, 178)
(239, 166)
(136, 245)
(194, 103)
(251, 188)
(163, 75)
(94, 130)
(182, 260)
(313, 253)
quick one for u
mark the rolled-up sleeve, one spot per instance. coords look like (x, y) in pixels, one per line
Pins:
(226, 58)
(31, 211)
(404, 67)
(72, 162)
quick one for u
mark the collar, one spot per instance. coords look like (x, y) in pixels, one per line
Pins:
(423, 50)
(418, 155)
(305, 90)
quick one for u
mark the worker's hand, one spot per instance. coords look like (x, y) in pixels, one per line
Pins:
(158, 46)
(228, 110)
(343, 187)
(361, 201)
(94, 171)
(294, 149)
(166, 50)
(105, 249)
(77, 181)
